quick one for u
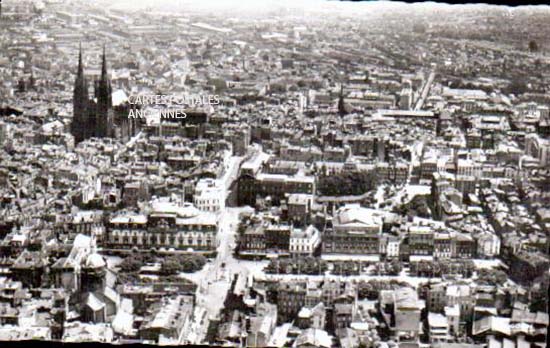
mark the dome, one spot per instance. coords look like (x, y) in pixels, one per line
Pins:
(95, 261)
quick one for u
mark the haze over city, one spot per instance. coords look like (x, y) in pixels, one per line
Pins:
(274, 174)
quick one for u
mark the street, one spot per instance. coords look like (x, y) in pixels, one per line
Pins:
(214, 279)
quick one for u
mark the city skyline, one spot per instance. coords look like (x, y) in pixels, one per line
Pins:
(274, 174)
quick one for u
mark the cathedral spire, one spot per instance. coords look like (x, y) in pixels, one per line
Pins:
(104, 82)
(103, 94)
(104, 65)
(79, 126)
(80, 65)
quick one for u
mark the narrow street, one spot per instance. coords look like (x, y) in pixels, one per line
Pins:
(425, 91)
(214, 279)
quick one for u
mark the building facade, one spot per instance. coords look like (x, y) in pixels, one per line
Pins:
(180, 227)
(355, 230)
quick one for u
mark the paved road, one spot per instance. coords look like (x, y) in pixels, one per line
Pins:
(214, 279)
(425, 91)
(379, 196)
(232, 173)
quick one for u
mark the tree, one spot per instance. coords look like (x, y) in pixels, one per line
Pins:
(134, 262)
(190, 262)
(347, 183)
(533, 46)
(394, 267)
(516, 87)
(170, 266)
(130, 265)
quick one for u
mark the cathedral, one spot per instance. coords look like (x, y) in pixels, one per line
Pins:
(95, 116)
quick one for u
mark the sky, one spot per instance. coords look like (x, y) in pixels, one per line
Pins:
(250, 5)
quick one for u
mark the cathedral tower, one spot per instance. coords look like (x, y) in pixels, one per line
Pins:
(81, 105)
(104, 114)
(92, 118)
